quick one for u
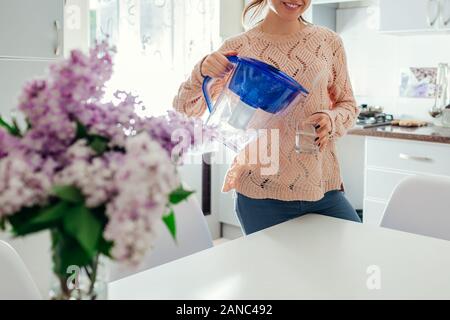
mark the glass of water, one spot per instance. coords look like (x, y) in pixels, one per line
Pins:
(305, 138)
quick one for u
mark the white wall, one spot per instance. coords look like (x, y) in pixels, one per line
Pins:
(375, 61)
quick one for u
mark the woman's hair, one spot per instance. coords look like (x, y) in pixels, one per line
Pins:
(254, 8)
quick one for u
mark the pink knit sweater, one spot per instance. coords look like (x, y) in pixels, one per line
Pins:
(315, 57)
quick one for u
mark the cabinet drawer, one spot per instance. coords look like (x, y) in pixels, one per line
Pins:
(380, 183)
(425, 157)
(373, 212)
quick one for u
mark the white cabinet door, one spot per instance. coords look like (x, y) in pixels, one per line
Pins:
(409, 15)
(373, 212)
(222, 203)
(389, 161)
(31, 29)
(350, 152)
(444, 21)
(380, 183)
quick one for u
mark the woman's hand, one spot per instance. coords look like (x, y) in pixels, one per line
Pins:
(216, 65)
(323, 125)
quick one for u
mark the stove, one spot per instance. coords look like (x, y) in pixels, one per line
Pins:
(381, 119)
(373, 117)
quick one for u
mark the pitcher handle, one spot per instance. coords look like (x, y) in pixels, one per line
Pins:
(233, 59)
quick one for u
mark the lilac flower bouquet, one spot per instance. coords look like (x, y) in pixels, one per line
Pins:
(94, 173)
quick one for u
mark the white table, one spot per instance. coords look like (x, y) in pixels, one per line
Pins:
(313, 257)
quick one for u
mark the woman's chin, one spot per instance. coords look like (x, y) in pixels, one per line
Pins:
(290, 17)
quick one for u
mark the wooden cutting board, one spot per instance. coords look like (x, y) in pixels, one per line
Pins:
(409, 123)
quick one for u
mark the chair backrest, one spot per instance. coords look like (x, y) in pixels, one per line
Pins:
(420, 205)
(15, 280)
(192, 236)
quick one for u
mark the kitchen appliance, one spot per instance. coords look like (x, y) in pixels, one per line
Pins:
(255, 92)
(373, 116)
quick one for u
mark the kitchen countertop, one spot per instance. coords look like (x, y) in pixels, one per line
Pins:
(430, 133)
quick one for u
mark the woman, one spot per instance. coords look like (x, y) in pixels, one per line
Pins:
(315, 57)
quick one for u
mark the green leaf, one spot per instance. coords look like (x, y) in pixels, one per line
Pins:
(81, 131)
(67, 252)
(82, 225)
(105, 246)
(99, 144)
(16, 126)
(51, 214)
(12, 129)
(169, 221)
(179, 195)
(2, 223)
(19, 221)
(68, 193)
(30, 220)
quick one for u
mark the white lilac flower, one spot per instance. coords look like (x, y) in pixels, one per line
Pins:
(20, 185)
(144, 181)
(94, 176)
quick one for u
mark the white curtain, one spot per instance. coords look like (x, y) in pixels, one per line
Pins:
(158, 43)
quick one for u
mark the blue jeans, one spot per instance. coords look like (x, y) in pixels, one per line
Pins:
(258, 214)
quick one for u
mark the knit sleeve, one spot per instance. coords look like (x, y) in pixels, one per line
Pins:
(189, 99)
(344, 111)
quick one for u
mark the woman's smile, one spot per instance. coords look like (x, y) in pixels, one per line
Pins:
(291, 6)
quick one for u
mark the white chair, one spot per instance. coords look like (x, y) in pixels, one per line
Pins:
(420, 205)
(15, 280)
(192, 236)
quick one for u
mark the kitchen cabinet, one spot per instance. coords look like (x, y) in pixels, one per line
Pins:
(34, 34)
(350, 152)
(222, 204)
(444, 20)
(31, 29)
(389, 161)
(323, 12)
(423, 16)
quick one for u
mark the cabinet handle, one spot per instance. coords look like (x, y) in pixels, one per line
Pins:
(431, 22)
(405, 156)
(58, 30)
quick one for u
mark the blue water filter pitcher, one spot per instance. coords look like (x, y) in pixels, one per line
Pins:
(254, 89)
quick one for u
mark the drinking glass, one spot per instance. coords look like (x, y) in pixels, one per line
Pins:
(305, 138)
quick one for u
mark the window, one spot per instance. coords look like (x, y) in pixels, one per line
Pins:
(158, 43)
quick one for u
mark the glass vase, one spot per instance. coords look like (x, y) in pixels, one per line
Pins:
(86, 283)
(77, 281)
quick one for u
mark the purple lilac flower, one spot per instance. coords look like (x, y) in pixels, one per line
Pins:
(133, 182)
(81, 78)
(114, 122)
(7, 143)
(176, 133)
(52, 106)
